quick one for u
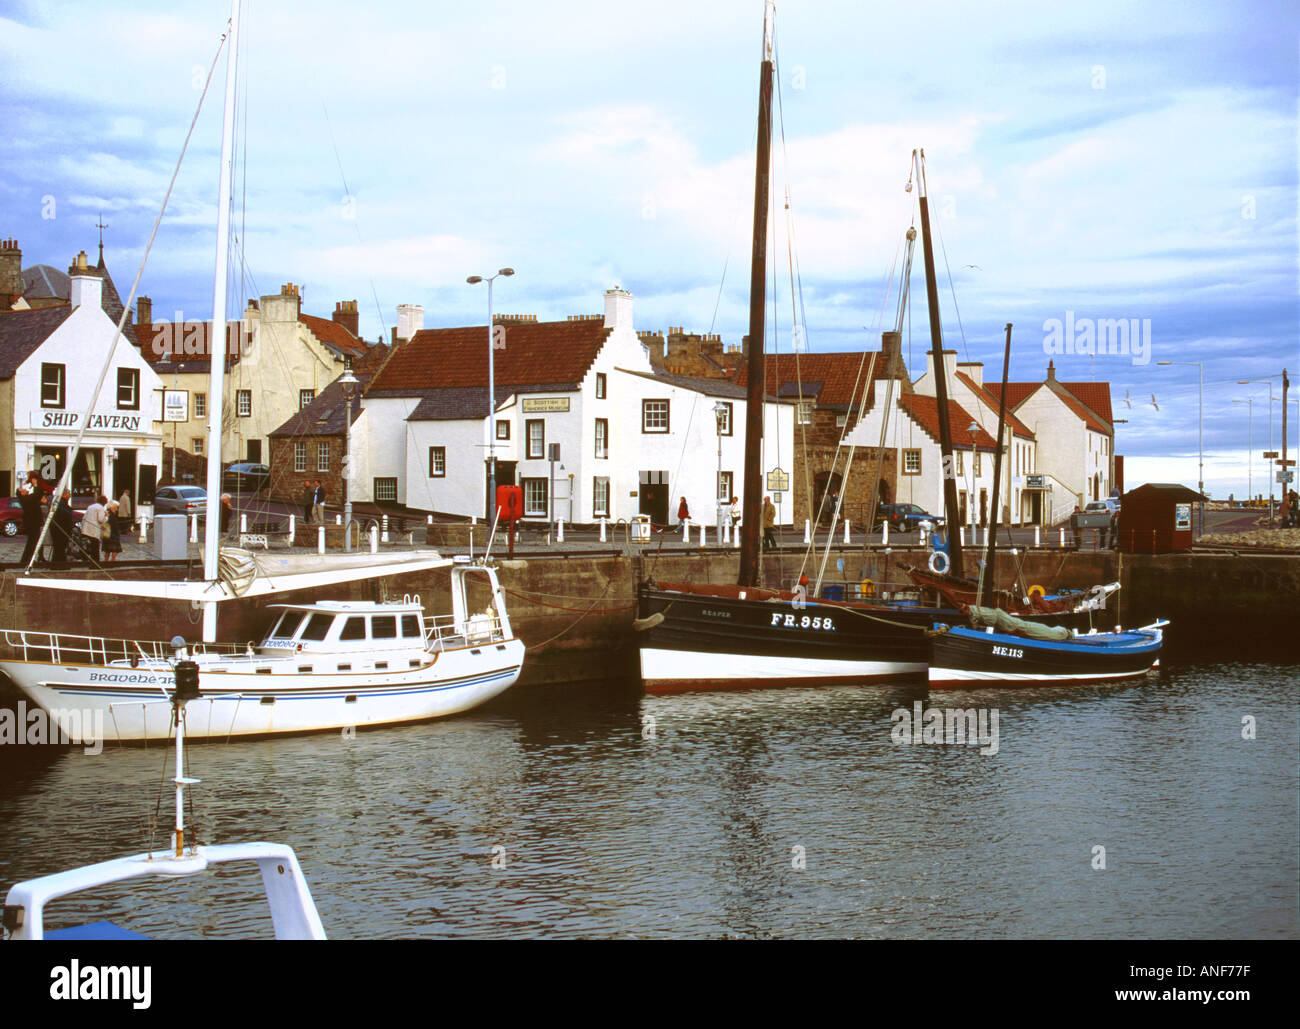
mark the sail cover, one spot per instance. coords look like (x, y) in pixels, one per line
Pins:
(999, 621)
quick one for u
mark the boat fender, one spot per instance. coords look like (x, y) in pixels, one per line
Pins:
(649, 622)
(939, 562)
(868, 588)
(1037, 591)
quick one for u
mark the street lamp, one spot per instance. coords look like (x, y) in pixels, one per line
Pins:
(720, 412)
(348, 383)
(973, 428)
(492, 402)
(1200, 437)
(1260, 382)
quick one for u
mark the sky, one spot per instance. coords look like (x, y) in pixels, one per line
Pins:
(1098, 161)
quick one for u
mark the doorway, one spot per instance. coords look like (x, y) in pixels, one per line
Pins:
(124, 473)
(653, 497)
(255, 451)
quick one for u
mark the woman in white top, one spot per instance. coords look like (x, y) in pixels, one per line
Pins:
(93, 525)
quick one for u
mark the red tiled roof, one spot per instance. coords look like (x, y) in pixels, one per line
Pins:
(331, 333)
(1089, 419)
(1093, 395)
(924, 411)
(1017, 392)
(837, 373)
(173, 335)
(1017, 426)
(535, 353)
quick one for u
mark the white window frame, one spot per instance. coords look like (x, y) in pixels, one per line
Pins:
(131, 400)
(656, 419)
(382, 487)
(539, 451)
(58, 384)
(804, 413)
(323, 456)
(602, 388)
(908, 454)
(244, 403)
(602, 438)
(535, 497)
(197, 448)
(600, 496)
(299, 455)
(726, 486)
(305, 397)
(437, 462)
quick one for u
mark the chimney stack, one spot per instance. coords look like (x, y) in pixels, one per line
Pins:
(345, 313)
(11, 272)
(410, 320)
(143, 311)
(618, 308)
(1051, 370)
(85, 285)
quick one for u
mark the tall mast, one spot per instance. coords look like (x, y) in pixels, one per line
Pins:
(217, 342)
(940, 381)
(751, 512)
(987, 574)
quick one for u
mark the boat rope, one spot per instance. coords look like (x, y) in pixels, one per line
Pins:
(876, 618)
(560, 607)
(533, 648)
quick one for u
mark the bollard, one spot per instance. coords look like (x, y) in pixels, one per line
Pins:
(726, 532)
(320, 539)
(383, 536)
(807, 531)
(428, 519)
(962, 531)
(243, 523)
(1062, 538)
(686, 530)
(144, 522)
(559, 531)
(293, 528)
(374, 539)
(338, 519)
(703, 535)
(602, 530)
(846, 530)
(735, 535)
(884, 533)
(1038, 535)
(923, 537)
(194, 528)
(986, 536)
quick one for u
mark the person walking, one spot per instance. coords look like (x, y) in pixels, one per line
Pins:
(30, 495)
(112, 542)
(227, 512)
(683, 512)
(124, 510)
(65, 522)
(735, 511)
(769, 522)
(318, 503)
(308, 498)
(94, 528)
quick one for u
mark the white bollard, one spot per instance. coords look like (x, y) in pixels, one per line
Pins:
(1038, 535)
(194, 528)
(735, 535)
(962, 532)
(293, 528)
(686, 530)
(374, 540)
(144, 523)
(884, 534)
(1062, 538)
(602, 530)
(338, 519)
(807, 531)
(986, 536)
(428, 519)
(726, 532)
(846, 530)
(243, 523)
(320, 539)
(383, 537)
(924, 537)
(703, 535)
(559, 531)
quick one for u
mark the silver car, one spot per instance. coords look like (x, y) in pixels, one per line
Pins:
(180, 500)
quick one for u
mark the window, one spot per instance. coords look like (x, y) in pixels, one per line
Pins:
(805, 412)
(503, 429)
(305, 397)
(383, 627)
(724, 486)
(411, 626)
(536, 432)
(602, 437)
(437, 462)
(725, 425)
(841, 420)
(911, 462)
(197, 448)
(200, 405)
(600, 497)
(535, 498)
(386, 491)
(53, 378)
(354, 629)
(299, 456)
(244, 403)
(654, 416)
(128, 389)
(323, 456)
(600, 385)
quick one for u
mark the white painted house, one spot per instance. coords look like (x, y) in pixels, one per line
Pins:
(50, 360)
(630, 440)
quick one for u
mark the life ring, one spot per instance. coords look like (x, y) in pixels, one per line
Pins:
(1037, 591)
(867, 587)
(939, 562)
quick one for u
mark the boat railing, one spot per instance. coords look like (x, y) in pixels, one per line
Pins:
(61, 648)
(443, 632)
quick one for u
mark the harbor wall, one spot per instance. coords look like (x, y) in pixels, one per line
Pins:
(575, 611)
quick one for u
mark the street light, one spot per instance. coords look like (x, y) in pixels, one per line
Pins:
(1200, 437)
(348, 383)
(1260, 382)
(720, 412)
(973, 428)
(492, 401)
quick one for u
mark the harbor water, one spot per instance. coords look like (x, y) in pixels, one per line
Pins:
(1135, 810)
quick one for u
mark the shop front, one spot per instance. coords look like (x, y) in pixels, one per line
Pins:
(118, 453)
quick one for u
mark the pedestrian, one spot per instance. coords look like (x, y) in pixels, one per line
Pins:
(318, 503)
(94, 528)
(65, 522)
(769, 522)
(113, 541)
(308, 498)
(30, 496)
(124, 510)
(1292, 499)
(1074, 526)
(227, 511)
(683, 512)
(735, 512)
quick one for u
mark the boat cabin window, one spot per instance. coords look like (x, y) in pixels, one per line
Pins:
(354, 629)
(383, 627)
(290, 622)
(411, 626)
(317, 627)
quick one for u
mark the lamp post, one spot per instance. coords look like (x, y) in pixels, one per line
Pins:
(720, 417)
(348, 383)
(1260, 382)
(970, 501)
(492, 402)
(1200, 437)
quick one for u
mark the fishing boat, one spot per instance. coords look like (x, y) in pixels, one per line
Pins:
(1000, 648)
(963, 592)
(322, 665)
(293, 911)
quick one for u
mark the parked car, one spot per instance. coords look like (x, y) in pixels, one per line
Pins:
(1097, 515)
(905, 517)
(11, 516)
(180, 500)
(246, 478)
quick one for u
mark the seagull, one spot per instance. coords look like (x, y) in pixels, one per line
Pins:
(1127, 402)
(1153, 402)
(975, 266)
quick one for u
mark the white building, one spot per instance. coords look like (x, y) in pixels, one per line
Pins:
(582, 423)
(50, 360)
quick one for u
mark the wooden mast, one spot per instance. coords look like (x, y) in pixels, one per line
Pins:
(940, 381)
(752, 511)
(987, 574)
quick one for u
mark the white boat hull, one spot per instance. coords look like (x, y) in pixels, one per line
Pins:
(667, 671)
(133, 704)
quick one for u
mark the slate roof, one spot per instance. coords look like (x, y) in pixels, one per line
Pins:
(924, 411)
(457, 403)
(44, 286)
(21, 332)
(537, 356)
(326, 414)
(707, 386)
